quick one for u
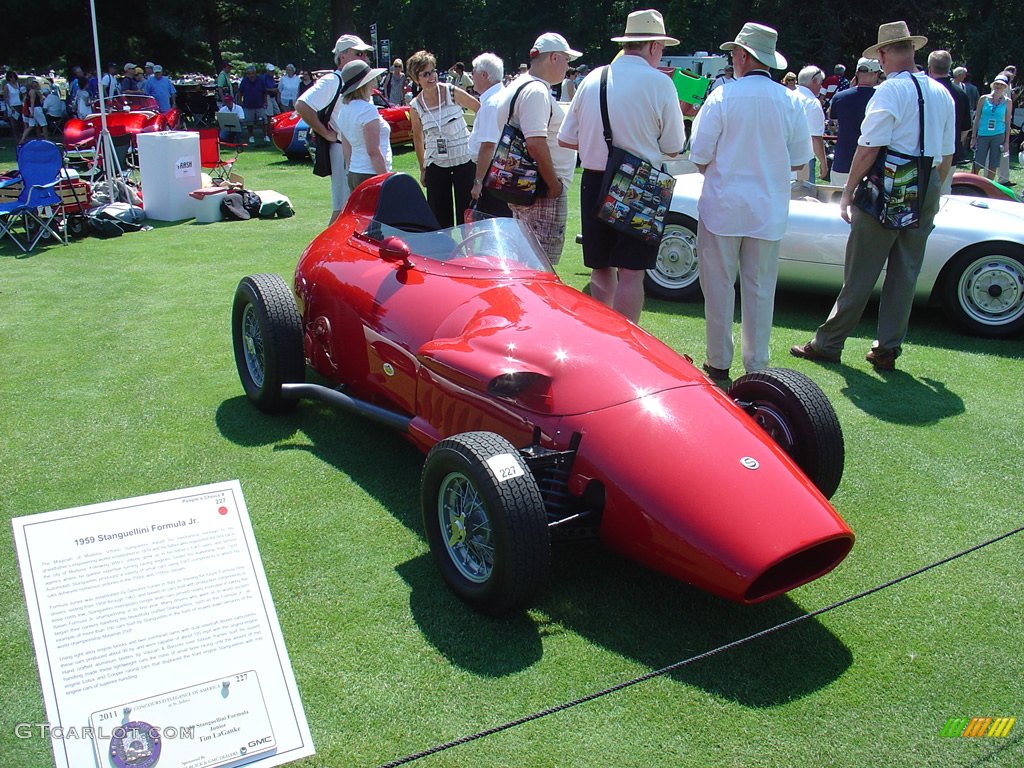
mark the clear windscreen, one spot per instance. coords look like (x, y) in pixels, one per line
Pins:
(491, 244)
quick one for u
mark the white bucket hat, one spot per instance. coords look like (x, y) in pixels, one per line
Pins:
(645, 27)
(759, 41)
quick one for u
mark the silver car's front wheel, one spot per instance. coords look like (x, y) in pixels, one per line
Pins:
(676, 275)
(983, 289)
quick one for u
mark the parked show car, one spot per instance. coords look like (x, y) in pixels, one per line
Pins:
(130, 114)
(289, 131)
(542, 412)
(975, 185)
(973, 265)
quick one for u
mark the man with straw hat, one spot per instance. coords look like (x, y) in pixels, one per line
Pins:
(746, 140)
(891, 120)
(645, 119)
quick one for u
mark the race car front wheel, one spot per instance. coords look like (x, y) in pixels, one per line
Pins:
(484, 520)
(798, 416)
(267, 334)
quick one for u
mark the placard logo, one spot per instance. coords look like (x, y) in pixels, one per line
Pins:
(976, 727)
(185, 166)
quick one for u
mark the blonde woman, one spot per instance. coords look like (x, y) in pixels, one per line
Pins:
(992, 121)
(365, 135)
(441, 138)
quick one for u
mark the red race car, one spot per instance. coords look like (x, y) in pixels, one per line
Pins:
(289, 132)
(130, 114)
(542, 412)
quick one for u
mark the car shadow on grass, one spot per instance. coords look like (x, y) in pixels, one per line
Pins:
(612, 602)
(641, 615)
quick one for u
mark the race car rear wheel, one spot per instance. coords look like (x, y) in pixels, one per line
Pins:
(795, 413)
(982, 289)
(485, 523)
(267, 334)
(675, 275)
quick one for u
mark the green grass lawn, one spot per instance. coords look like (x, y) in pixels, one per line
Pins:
(118, 380)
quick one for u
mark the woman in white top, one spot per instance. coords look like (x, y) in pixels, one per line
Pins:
(441, 138)
(365, 135)
(12, 95)
(83, 99)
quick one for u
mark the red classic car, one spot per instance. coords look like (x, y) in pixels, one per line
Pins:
(289, 131)
(542, 412)
(125, 114)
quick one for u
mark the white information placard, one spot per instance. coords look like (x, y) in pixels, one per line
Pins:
(156, 637)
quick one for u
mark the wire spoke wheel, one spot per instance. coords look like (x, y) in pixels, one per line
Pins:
(465, 527)
(485, 522)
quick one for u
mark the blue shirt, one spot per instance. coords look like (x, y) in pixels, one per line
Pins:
(253, 93)
(161, 89)
(848, 108)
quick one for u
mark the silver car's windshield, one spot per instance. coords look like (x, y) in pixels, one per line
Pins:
(493, 244)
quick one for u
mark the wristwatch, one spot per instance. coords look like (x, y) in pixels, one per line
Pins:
(478, 181)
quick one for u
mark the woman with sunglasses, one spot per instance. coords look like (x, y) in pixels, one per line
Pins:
(441, 139)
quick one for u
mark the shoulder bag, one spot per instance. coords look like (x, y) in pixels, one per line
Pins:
(513, 175)
(894, 189)
(322, 156)
(634, 194)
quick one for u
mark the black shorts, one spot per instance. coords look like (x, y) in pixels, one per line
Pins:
(604, 247)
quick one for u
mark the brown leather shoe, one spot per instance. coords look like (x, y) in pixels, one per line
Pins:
(716, 374)
(883, 359)
(810, 352)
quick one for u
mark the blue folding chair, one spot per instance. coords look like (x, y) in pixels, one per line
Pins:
(38, 207)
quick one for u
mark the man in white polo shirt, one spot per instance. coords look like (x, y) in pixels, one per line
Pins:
(347, 48)
(892, 120)
(539, 116)
(746, 140)
(643, 111)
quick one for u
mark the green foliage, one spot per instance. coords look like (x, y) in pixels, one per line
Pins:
(190, 34)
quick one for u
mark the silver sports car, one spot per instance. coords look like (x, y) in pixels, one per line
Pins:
(973, 266)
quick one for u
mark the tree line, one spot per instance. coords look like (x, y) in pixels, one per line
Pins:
(194, 35)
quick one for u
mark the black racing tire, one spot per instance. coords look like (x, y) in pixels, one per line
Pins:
(981, 289)
(795, 413)
(297, 157)
(485, 522)
(676, 276)
(267, 334)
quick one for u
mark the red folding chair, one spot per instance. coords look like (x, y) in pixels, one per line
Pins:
(209, 154)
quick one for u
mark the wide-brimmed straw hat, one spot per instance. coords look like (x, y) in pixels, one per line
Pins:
(759, 41)
(645, 27)
(894, 32)
(356, 74)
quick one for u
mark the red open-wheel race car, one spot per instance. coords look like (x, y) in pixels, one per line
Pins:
(542, 411)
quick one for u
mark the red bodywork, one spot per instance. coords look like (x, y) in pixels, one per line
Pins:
(288, 129)
(974, 185)
(428, 338)
(125, 114)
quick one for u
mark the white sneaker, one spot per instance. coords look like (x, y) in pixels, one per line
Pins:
(266, 139)
(252, 140)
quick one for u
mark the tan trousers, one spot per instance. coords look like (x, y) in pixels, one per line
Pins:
(869, 248)
(757, 263)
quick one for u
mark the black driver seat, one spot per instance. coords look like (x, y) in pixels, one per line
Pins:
(402, 205)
